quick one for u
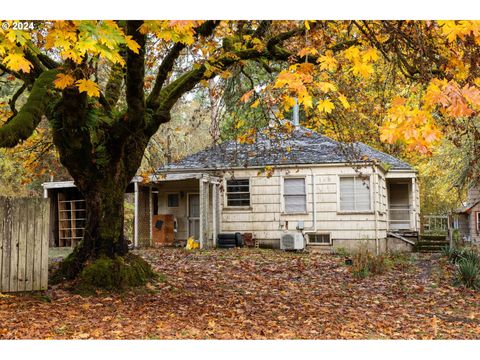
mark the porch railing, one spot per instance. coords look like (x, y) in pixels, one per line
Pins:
(400, 218)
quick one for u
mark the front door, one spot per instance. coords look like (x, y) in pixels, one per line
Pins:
(194, 216)
(399, 206)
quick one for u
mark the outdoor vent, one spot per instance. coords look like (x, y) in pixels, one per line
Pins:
(292, 241)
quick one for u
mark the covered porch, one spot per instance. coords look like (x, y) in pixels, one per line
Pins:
(182, 206)
(403, 201)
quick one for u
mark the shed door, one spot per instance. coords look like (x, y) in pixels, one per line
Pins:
(194, 216)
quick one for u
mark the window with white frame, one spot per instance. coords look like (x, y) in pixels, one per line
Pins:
(355, 193)
(294, 195)
(173, 200)
(321, 239)
(238, 192)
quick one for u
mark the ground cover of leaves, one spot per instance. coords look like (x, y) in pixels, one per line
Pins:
(256, 294)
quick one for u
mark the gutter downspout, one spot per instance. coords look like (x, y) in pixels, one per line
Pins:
(313, 228)
(376, 194)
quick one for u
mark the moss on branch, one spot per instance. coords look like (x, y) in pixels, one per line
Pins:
(24, 123)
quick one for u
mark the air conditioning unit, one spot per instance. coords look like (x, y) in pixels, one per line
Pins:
(292, 241)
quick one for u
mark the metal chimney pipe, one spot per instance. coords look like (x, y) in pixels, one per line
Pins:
(296, 120)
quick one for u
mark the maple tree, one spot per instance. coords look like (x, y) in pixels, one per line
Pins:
(106, 87)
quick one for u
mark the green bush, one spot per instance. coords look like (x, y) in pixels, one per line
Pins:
(471, 256)
(341, 251)
(453, 254)
(468, 273)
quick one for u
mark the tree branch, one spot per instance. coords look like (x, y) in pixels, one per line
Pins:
(24, 123)
(135, 76)
(168, 62)
(14, 99)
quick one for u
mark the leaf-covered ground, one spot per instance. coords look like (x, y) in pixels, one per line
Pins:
(256, 294)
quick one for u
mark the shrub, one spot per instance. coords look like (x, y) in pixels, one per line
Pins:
(468, 273)
(453, 254)
(341, 251)
(471, 256)
(365, 263)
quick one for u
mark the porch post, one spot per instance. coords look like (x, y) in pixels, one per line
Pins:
(202, 213)
(150, 217)
(214, 213)
(206, 214)
(414, 204)
(135, 220)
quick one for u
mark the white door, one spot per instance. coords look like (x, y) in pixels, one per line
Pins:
(194, 216)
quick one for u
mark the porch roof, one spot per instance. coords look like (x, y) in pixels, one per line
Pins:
(183, 176)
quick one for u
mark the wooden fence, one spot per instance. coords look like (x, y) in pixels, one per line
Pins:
(24, 230)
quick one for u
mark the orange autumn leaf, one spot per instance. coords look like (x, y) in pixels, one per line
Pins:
(63, 81)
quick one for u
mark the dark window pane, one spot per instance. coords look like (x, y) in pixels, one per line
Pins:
(238, 192)
(172, 200)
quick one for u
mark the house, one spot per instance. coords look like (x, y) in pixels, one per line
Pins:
(467, 219)
(334, 194)
(337, 195)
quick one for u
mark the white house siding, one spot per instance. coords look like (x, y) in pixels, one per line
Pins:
(265, 216)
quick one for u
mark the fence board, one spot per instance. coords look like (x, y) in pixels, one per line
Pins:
(2, 235)
(6, 248)
(45, 245)
(13, 283)
(22, 245)
(37, 254)
(24, 228)
(29, 251)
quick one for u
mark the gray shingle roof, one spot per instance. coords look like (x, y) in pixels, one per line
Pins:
(302, 146)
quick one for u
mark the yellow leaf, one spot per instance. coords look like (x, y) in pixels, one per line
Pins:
(306, 100)
(362, 69)
(326, 86)
(63, 80)
(255, 104)
(327, 62)
(370, 55)
(16, 62)
(352, 53)
(132, 44)
(344, 101)
(88, 86)
(325, 106)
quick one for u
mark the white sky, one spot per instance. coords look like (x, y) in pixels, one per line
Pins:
(244, 9)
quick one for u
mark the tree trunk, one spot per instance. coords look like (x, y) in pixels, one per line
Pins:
(104, 226)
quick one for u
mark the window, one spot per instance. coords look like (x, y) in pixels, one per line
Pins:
(355, 193)
(238, 192)
(173, 200)
(478, 221)
(294, 195)
(322, 239)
